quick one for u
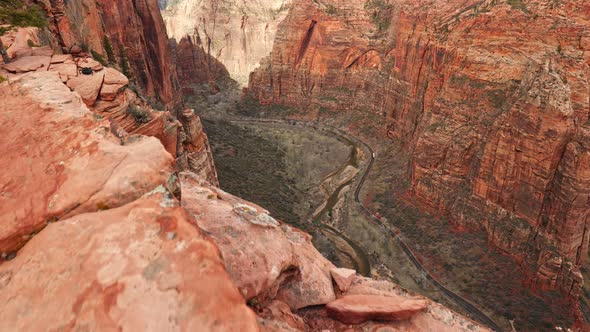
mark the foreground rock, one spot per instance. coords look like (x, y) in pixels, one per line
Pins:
(140, 267)
(355, 309)
(59, 161)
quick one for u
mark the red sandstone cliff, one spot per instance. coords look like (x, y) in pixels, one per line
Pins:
(129, 34)
(236, 33)
(490, 99)
(99, 232)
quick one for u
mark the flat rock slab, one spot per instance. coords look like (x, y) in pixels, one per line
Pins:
(60, 58)
(66, 71)
(88, 86)
(28, 63)
(89, 63)
(140, 267)
(356, 309)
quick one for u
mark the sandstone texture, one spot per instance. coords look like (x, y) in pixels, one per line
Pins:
(237, 33)
(129, 34)
(354, 309)
(490, 100)
(98, 232)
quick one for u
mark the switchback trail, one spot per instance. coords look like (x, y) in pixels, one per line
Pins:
(461, 302)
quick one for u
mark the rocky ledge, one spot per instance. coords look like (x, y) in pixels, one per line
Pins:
(100, 232)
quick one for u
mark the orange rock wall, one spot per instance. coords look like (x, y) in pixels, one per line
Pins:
(136, 34)
(490, 100)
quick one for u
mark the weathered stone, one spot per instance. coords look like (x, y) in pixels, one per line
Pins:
(60, 58)
(356, 309)
(343, 277)
(89, 63)
(117, 269)
(68, 162)
(88, 86)
(28, 63)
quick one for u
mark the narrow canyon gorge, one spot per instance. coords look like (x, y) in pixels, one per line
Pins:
(294, 165)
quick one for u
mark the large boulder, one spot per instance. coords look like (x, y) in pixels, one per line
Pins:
(28, 63)
(58, 160)
(88, 86)
(266, 259)
(356, 309)
(140, 267)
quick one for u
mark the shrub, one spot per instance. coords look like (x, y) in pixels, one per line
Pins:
(139, 115)
(98, 57)
(16, 13)
(2, 79)
(109, 50)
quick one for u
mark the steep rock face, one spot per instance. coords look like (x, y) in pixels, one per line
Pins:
(194, 65)
(194, 151)
(104, 90)
(490, 99)
(134, 257)
(118, 251)
(128, 33)
(54, 172)
(237, 33)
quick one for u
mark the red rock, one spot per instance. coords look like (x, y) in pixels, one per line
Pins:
(356, 309)
(28, 63)
(114, 83)
(88, 86)
(510, 168)
(195, 153)
(142, 266)
(293, 272)
(343, 277)
(68, 164)
(66, 71)
(60, 58)
(89, 63)
(16, 41)
(42, 51)
(136, 33)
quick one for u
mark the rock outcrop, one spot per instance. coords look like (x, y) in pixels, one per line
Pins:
(194, 65)
(489, 98)
(99, 233)
(106, 92)
(130, 34)
(237, 33)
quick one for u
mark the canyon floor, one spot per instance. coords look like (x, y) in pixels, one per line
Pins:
(296, 171)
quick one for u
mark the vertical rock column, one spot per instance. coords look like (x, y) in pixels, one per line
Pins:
(194, 152)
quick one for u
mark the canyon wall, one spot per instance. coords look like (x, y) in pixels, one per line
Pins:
(128, 34)
(237, 33)
(490, 99)
(148, 247)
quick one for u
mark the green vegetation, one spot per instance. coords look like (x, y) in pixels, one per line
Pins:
(2, 79)
(462, 258)
(331, 9)
(98, 57)
(123, 62)
(518, 5)
(109, 50)
(15, 13)
(140, 115)
(381, 13)
(250, 107)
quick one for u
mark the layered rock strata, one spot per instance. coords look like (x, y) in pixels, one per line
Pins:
(81, 206)
(107, 93)
(129, 34)
(237, 33)
(489, 98)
